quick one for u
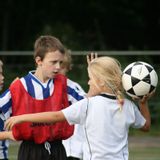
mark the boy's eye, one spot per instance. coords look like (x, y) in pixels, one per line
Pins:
(54, 62)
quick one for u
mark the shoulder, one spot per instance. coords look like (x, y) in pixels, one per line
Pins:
(5, 93)
(15, 83)
(74, 85)
(130, 105)
(129, 102)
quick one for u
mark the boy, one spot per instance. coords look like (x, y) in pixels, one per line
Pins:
(1, 75)
(3, 144)
(39, 91)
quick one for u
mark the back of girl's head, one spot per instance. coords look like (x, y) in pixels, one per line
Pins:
(45, 44)
(1, 63)
(108, 70)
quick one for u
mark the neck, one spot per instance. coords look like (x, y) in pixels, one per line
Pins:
(40, 76)
(107, 90)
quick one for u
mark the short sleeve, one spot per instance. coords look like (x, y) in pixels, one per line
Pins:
(139, 119)
(76, 113)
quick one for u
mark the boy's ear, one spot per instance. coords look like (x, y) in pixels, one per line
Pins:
(38, 60)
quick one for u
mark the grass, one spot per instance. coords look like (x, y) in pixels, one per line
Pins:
(140, 148)
(13, 150)
(145, 153)
(144, 148)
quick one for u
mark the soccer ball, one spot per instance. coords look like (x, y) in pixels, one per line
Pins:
(138, 79)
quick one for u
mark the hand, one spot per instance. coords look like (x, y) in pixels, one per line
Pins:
(10, 136)
(11, 122)
(91, 56)
(145, 98)
(6, 135)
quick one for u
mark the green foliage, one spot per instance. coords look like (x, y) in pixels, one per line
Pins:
(89, 25)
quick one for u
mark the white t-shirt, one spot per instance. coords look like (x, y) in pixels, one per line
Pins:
(74, 144)
(105, 125)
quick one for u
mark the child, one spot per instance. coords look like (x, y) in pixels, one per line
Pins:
(67, 63)
(40, 91)
(3, 144)
(1, 75)
(73, 145)
(106, 116)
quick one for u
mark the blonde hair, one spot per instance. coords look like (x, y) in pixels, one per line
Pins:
(1, 63)
(108, 70)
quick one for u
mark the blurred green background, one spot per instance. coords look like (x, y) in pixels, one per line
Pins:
(19, 65)
(84, 26)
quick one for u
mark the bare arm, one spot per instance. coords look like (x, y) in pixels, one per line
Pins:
(143, 105)
(6, 135)
(145, 112)
(44, 117)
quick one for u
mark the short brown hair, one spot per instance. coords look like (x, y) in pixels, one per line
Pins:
(45, 44)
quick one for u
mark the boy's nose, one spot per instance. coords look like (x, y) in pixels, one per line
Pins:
(58, 65)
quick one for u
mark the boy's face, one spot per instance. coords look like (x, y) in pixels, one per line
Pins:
(50, 65)
(1, 78)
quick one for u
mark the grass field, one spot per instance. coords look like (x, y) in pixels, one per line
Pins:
(144, 148)
(141, 148)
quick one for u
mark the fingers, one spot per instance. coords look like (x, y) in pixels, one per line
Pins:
(11, 136)
(88, 59)
(91, 56)
(8, 124)
(144, 99)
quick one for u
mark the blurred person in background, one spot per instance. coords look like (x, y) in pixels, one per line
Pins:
(5, 143)
(74, 144)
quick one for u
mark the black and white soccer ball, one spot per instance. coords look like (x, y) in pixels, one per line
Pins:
(138, 79)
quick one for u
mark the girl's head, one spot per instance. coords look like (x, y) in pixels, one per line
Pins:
(105, 75)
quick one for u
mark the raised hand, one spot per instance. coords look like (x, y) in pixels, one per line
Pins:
(91, 56)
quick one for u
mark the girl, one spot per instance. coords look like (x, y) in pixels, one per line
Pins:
(106, 116)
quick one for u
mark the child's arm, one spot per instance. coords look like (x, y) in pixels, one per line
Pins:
(6, 135)
(44, 117)
(143, 106)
